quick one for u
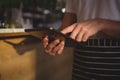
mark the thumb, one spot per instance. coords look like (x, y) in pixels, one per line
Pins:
(68, 29)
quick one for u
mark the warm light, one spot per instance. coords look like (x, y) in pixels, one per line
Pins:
(63, 10)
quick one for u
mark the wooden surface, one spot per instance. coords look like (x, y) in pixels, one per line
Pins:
(24, 59)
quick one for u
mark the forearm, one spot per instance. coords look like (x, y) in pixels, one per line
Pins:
(69, 18)
(112, 28)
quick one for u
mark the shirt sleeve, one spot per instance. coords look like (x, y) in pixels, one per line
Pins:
(70, 6)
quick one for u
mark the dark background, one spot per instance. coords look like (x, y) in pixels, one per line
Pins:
(49, 12)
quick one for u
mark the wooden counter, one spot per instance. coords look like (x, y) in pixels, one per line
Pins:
(23, 58)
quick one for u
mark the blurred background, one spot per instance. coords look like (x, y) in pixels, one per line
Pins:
(31, 13)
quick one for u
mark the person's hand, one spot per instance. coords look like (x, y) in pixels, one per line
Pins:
(53, 48)
(81, 31)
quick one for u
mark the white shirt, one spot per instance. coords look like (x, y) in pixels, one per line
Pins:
(89, 9)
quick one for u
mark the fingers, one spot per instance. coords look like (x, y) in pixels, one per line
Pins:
(58, 49)
(53, 48)
(79, 31)
(80, 35)
(85, 37)
(75, 32)
(45, 42)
